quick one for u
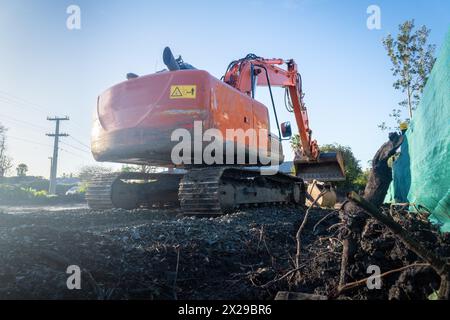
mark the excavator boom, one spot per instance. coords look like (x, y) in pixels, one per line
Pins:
(310, 164)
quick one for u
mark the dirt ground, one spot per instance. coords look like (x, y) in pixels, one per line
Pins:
(161, 254)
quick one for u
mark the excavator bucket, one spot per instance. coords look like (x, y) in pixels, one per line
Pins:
(328, 168)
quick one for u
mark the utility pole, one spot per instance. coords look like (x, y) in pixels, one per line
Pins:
(51, 165)
(54, 168)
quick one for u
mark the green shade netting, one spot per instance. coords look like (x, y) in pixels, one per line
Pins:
(421, 174)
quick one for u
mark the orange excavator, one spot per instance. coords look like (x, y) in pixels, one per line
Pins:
(135, 122)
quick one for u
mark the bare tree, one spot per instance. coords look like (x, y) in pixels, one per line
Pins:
(5, 161)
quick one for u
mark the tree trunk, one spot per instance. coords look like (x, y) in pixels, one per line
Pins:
(353, 217)
(409, 103)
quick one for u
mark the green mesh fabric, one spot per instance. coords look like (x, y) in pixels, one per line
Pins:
(421, 174)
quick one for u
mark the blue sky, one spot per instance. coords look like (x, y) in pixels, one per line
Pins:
(46, 69)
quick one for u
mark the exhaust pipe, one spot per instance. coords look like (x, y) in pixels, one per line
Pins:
(174, 64)
(169, 60)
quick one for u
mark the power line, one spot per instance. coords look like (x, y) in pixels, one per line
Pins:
(23, 122)
(69, 145)
(29, 141)
(10, 98)
(81, 143)
(46, 145)
(77, 124)
(13, 103)
(40, 129)
(16, 99)
(32, 127)
(26, 103)
(74, 154)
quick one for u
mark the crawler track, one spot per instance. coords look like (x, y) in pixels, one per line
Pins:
(218, 190)
(200, 191)
(133, 190)
(98, 194)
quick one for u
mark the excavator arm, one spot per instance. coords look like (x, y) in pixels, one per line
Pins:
(247, 73)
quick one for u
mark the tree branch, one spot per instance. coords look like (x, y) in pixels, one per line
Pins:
(438, 264)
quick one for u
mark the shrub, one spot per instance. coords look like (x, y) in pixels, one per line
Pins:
(17, 195)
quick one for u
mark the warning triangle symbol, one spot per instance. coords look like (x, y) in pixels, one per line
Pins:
(176, 93)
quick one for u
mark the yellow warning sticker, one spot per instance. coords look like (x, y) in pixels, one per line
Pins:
(183, 92)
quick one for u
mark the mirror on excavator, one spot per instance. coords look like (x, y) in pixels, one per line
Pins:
(286, 130)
